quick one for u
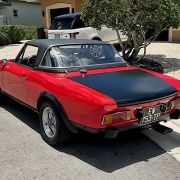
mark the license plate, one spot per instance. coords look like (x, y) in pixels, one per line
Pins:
(57, 36)
(150, 115)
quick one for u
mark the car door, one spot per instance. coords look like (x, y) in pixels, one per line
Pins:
(15, 74)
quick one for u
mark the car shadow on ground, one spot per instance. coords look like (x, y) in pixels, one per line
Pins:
(107, 155)
(129, 148)
(167, 64)
(27, 116)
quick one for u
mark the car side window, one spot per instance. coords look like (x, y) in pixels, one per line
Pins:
(62, 24)
(55, 58)
(50, 60)
(28, 56)
(78, 24)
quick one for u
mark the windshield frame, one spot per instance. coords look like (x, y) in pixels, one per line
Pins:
(78, 68)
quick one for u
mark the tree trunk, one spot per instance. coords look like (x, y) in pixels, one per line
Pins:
(132, 58)
(121, 44)
(136, 48)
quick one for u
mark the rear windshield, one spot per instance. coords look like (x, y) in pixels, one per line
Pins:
(62, 24)
(82, 56)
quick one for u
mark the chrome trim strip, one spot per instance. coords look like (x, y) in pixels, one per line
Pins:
(142, 102)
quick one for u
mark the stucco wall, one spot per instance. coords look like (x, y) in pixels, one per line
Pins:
(46, 3)
(28, 13)
(78, 4)
(75, 4)
(174, 35)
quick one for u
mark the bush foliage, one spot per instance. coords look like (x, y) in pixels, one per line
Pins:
(17, 33)
(134, 18)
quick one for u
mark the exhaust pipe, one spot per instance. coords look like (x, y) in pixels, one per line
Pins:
(162, 129)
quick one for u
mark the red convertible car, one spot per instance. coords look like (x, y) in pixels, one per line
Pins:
(82, 84)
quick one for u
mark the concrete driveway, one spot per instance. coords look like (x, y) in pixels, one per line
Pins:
(133, 155)
(168, 54)
(24, 155)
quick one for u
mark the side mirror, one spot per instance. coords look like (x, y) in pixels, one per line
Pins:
(3, 62)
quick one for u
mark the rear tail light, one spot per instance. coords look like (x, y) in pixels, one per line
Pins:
(116, 117)
(73, 35)
(175, 104)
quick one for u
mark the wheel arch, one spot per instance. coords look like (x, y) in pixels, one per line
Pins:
(46, 96)
(97, 38)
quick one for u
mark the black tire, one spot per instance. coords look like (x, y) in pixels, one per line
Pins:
(62, 133)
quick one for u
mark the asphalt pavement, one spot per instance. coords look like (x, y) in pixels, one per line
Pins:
(24, 155)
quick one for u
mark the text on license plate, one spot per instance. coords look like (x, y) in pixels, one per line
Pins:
(150, 115)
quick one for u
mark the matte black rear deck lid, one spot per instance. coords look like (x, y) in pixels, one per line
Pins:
(128, 87)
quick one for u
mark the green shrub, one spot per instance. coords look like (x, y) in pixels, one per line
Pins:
(3, 39)
(30, 32)
(17, 33)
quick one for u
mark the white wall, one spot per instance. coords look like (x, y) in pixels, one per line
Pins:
(28, 13)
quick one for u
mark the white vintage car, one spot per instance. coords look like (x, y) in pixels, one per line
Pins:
(70, 26)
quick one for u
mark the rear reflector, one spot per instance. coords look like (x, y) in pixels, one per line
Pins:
(116, 117)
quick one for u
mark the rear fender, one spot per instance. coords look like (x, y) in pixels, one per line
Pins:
(45, 96)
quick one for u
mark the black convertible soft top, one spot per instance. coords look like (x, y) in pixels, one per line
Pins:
(70, 15)
(45, 44)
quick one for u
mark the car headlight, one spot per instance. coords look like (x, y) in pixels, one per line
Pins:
(116, 117)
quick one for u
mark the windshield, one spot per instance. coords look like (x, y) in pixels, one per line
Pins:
(62, 24)
(82, 56)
